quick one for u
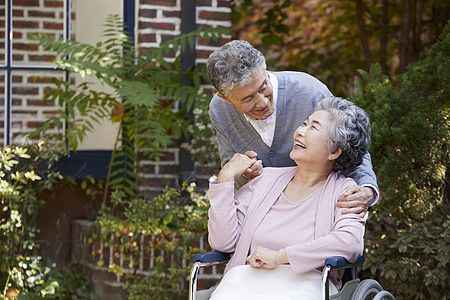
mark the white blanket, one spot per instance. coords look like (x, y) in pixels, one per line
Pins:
(246, 282)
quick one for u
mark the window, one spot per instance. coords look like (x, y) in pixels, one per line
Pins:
(26, 70)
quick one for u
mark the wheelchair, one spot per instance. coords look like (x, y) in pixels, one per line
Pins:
(353, 289)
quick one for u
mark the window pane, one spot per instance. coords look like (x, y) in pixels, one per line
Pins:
(29, 110)
(91, 16)
(31, 17)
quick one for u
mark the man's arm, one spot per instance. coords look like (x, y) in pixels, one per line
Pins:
(358, 199)
(226, 151)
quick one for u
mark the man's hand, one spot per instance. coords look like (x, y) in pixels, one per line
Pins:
(267, 258)
(256, 168)
(356, 200)
(235, 167)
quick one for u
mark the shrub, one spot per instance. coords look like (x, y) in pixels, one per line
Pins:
(409, 229)
(25, 173)
(174, 219)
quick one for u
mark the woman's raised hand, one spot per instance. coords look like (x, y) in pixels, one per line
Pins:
(235, 167)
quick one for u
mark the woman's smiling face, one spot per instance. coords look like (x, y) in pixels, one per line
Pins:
(311, 139)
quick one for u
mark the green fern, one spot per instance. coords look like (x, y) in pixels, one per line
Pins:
(146, 86)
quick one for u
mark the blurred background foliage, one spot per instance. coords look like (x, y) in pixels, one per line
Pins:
(391, 58)
(332, 39)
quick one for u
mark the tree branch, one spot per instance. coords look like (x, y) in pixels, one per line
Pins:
(362, 33)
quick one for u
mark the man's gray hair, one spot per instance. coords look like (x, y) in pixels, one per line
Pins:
(349, 130)
(233, 64)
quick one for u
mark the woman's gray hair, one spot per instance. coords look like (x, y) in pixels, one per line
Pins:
(233, 64)
(349, 130)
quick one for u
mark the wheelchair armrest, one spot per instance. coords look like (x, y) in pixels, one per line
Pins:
(340, 262)
(211, 256)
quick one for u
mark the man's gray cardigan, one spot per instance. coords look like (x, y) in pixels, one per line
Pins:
(298, 93)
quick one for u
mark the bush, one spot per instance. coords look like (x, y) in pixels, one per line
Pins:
(25, 173)
(409, 229)
(175, 219)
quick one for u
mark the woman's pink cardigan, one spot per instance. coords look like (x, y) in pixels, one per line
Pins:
(233, 218)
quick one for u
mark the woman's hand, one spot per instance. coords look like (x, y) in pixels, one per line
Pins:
(236, 166)
(267, 258)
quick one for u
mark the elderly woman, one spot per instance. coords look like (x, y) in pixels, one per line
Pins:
(283, 224)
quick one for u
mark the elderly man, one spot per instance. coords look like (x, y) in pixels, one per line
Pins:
(254, 112)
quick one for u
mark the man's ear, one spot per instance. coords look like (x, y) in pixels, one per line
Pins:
(335, 154)
(224, 98)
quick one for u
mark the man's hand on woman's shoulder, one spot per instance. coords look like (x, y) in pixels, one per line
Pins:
(356, 200)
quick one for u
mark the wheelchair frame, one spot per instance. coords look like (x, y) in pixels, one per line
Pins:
(212, 258)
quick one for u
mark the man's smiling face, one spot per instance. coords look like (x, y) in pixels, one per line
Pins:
(254, 99)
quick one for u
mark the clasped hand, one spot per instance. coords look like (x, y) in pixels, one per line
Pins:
(267, 258)
(240, 164)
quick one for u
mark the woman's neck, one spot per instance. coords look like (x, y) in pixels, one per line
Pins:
(304, 183)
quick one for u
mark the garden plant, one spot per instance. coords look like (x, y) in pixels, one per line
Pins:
(151, 105)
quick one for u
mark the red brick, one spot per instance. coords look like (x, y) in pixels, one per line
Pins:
(203, 53)
(224, 3)
(25, 90)
(214, 43)
(39, 103)
(17, 57)
(147, 38)
(25, 24)
(16, 102)
(205, 170)
(172, 14)
(17, 13)
(53, 25)
(160, 26)
(203, 2)
(214, 15)
(25, 112)
(36, 124)
(48, 58)
(147, 13)
(53, 3)
(41, 14)
(26, 3)
(148, 169)
(17, 35)
(50, 113)
(39, 79)
(23, 46)
(160, 2)
(17, 79)
(168, 169)
(157, 182)
(167, 37)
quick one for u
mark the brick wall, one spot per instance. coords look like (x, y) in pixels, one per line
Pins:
(96, 256)
(28, 87)
(159, 21)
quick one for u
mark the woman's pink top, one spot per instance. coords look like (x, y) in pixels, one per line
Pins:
(280, 227)
(311, 231)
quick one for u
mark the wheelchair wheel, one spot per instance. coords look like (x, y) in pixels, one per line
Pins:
(367, 289)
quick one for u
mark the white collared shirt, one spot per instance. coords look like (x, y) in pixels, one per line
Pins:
(266, 127)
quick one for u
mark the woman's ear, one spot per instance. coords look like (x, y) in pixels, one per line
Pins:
(335, 154)
(224, 97)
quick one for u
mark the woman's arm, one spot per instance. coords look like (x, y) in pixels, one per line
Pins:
(228, 211)
(345, 240)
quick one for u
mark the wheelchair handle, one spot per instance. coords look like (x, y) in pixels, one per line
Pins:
(211, 256)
